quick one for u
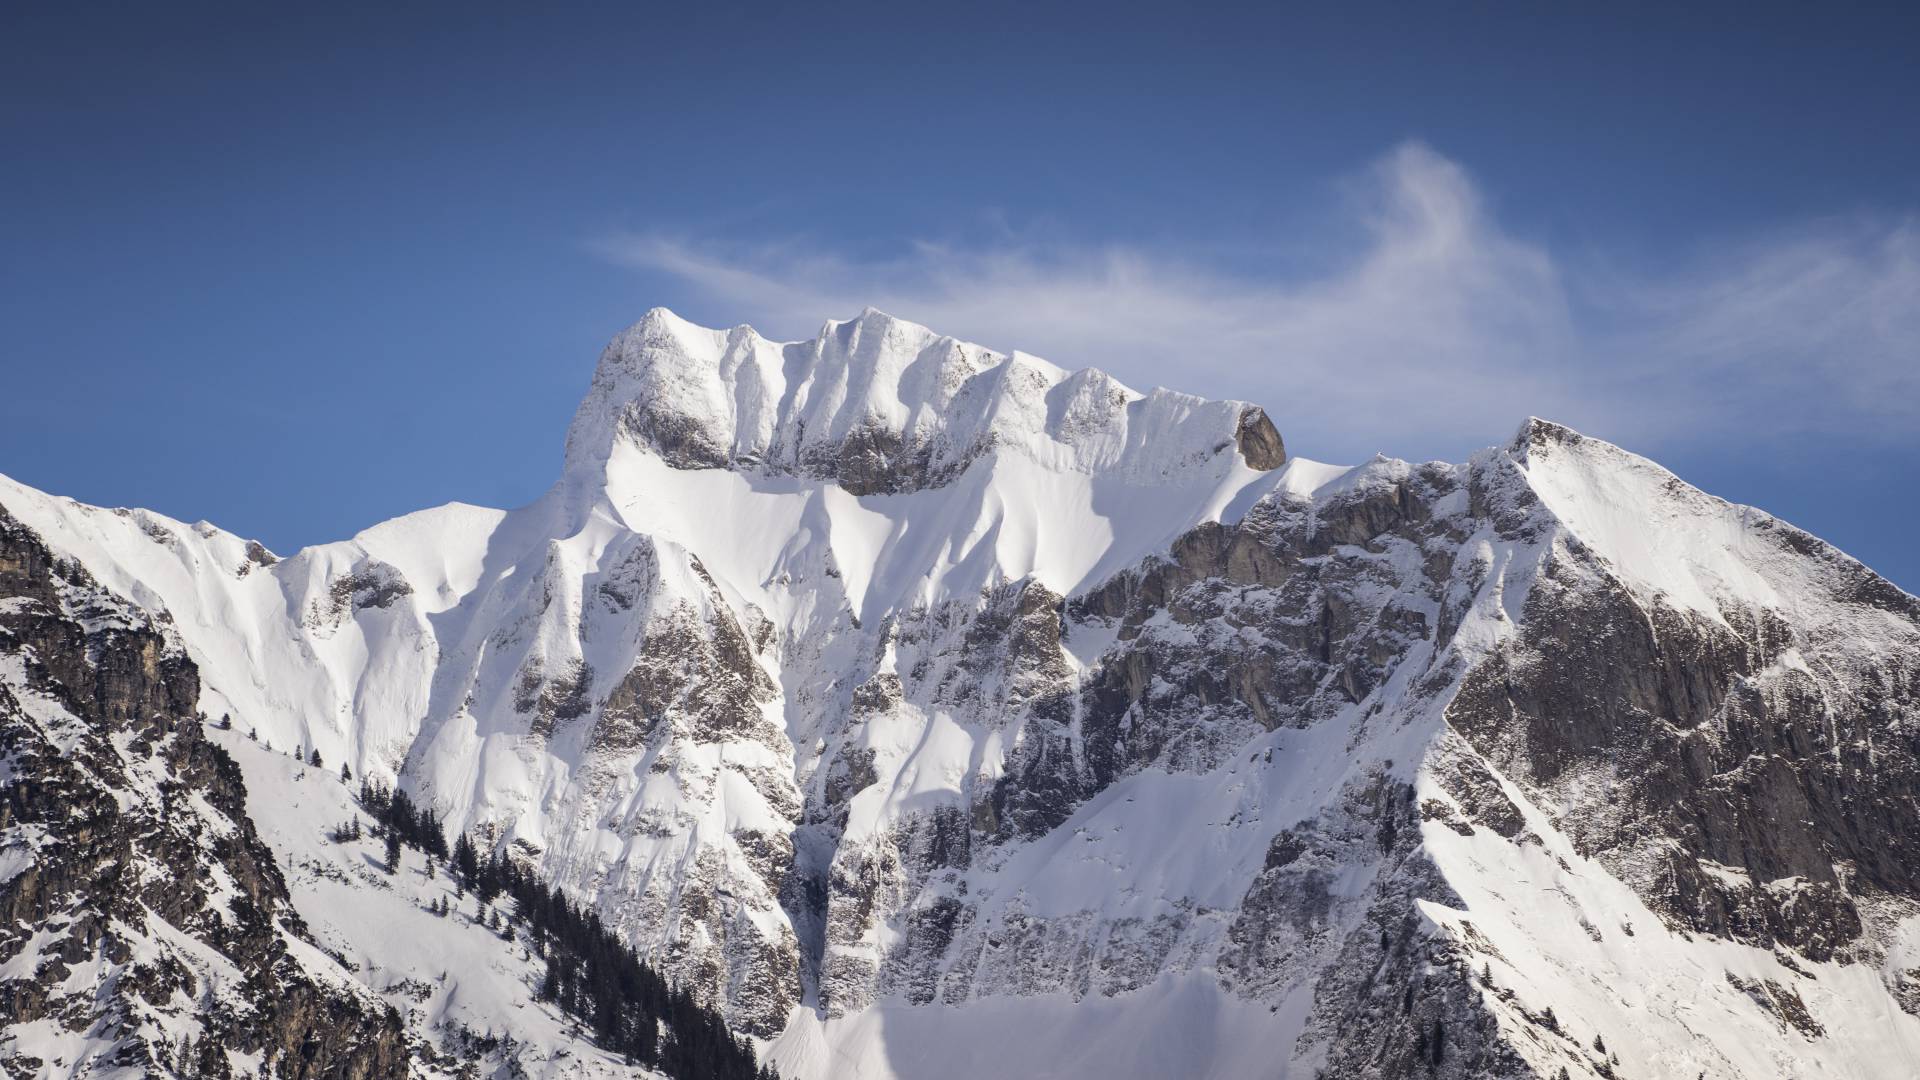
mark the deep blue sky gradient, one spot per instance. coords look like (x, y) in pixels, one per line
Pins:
(298, 271)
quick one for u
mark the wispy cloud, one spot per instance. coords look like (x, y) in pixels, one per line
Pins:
(1439, 330)
(1810, 330)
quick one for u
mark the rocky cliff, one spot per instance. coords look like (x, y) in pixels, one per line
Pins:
(148, 930)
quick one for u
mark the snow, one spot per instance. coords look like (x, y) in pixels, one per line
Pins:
(443, 973)
(1004, 519)
(1686, 547)
(775, 404)
(1178, 1026)
(1567, 935)
(1155, 834)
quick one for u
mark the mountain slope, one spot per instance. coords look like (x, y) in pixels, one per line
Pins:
(186, 900)
(893, 693)
(148, 929)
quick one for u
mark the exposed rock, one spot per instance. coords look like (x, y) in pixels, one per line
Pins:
(140, 896)
(1259, 440)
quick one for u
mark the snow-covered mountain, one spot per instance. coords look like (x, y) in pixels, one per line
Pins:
(938, 712)
(184, 900)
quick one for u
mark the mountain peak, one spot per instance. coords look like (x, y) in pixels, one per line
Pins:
(1076, 717)
(881, 405)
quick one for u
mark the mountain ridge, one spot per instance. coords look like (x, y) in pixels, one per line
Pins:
(882, 406)
(885, 689)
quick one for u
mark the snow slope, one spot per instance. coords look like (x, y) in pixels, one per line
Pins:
(467, 995)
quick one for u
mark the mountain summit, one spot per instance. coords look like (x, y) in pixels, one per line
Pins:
(878, 405)
(934, 712)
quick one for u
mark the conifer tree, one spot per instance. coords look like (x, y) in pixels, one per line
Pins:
(591, 975)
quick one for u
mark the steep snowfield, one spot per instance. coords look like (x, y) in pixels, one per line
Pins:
(289, 645)
(1574, 939)
(466, 994)
(938, 711)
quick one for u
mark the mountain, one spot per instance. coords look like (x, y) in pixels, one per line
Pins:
(931, 711)
(185, 901)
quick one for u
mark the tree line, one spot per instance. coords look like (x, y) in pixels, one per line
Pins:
(591, 974)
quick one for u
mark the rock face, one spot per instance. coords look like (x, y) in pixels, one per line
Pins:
(1773, 793)
(185, 901)
(1259, 441)
(147, 927)
(933, 711)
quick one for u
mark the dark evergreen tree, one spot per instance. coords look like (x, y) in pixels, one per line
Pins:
(466, 860)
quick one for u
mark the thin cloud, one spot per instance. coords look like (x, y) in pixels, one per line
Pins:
(1438, 332)
(1814, 330)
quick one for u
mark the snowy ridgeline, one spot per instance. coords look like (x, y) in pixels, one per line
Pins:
(933, 711)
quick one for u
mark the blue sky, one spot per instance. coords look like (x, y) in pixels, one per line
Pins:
(296, 273)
